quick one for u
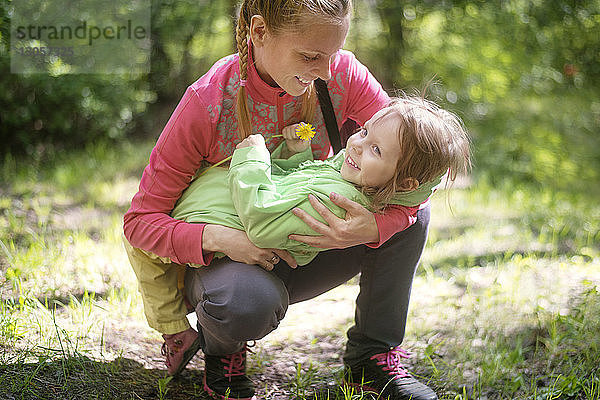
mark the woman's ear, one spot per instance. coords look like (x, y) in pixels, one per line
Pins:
(408, 184)
(258, 30)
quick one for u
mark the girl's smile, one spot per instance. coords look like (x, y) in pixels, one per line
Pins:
(351, 162)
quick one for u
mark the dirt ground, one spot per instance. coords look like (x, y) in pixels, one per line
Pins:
(311, 337)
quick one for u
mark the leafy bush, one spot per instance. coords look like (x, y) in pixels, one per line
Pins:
(65, 111)
(525, 77)
(44, 113)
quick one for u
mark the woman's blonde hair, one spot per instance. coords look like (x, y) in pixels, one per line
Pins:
(433, 142)
(282, 16)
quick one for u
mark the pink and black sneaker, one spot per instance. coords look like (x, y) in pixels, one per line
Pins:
(225, 376)
(385, 376)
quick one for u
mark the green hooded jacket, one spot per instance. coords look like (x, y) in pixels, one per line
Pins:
(259, 191)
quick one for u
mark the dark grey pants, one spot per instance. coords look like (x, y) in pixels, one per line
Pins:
(237, 302)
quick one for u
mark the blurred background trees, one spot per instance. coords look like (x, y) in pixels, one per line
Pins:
(524, 76)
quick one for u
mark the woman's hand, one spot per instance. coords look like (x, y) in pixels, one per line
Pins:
(252, 140)
(358, 227)
(236, 245)
(292, 141)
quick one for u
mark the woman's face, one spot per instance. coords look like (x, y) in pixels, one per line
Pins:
(373, 152)
(293, 60)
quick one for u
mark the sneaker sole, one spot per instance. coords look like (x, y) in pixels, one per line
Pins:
(188, 355)
(215, 395)
(366, 389)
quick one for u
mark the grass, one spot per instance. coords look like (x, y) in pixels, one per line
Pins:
(505, 304)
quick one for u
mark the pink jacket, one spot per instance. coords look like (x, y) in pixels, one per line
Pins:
(203, 127)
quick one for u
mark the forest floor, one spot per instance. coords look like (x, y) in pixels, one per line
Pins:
(505, 303)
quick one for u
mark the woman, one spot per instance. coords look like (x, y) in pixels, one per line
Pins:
(283, 46)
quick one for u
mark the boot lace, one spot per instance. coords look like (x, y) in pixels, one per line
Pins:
(164, 351)
(391, 361)
(235, 363)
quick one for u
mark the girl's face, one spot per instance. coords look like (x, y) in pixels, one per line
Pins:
(293, 60)
(373, 152)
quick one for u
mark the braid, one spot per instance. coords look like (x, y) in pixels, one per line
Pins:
(241, 38)
(309, 103)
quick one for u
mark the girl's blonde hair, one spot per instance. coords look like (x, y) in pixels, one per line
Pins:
(433, 142)
(282, 16)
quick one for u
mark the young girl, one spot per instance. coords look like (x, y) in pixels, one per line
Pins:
(283, 46)
(259, 190)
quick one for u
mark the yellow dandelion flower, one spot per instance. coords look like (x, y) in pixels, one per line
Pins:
(305, 131)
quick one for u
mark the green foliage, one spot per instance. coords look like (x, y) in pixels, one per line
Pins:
(523, 75)
(189, 36)
(163, 386)
(302, 380)
(65, 111)
(42, 113)
(45, 113)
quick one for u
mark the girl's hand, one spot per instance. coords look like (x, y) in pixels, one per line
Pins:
(358, 227)
(252, 140)
(236, 245)
(292, 141)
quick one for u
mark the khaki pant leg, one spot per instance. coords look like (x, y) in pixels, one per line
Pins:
(164, 305)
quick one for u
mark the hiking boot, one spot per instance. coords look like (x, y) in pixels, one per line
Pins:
(179, 348)
(225, 376)
(384, 375)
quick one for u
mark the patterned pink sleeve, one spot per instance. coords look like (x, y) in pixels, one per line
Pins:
(183, 144)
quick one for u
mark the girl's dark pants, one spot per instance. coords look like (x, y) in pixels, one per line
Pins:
(237, 302)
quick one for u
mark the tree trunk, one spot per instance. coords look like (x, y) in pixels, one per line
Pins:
(391, 14)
